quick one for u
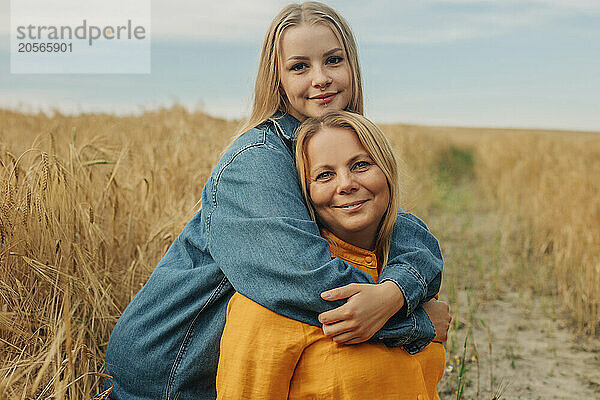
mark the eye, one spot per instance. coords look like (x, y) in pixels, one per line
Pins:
(299, 66)
(324, 176)
(334, 60)
(361, 165)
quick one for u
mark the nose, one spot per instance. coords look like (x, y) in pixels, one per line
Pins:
(321, 78)
(346, 183)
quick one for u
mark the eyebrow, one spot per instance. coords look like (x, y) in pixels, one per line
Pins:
(327, 53)
(349, 162)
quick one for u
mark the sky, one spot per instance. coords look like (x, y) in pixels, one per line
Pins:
(502, 63)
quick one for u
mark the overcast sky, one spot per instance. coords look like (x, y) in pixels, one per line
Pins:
(526, 63)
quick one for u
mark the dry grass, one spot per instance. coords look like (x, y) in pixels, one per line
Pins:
(88, 204)
(545, 185)
(548, 190)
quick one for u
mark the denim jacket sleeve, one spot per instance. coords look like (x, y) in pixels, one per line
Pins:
(415, 265)
(260, 233)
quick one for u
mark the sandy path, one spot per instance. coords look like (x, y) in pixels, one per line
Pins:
(534, 355)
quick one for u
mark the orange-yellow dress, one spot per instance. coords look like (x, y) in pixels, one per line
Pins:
(268, 356)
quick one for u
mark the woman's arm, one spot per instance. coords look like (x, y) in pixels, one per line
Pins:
(260, 233)
(415, 262)
(368, 307)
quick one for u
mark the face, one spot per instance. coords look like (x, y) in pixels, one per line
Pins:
(349, 191)
(314, 71)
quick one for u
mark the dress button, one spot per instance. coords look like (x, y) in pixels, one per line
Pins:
(420, 397)
(368, 259)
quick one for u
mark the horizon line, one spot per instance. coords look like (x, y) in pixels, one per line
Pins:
(145, 109)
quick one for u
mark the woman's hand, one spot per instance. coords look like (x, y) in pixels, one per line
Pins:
(439, 313)
(367, 309)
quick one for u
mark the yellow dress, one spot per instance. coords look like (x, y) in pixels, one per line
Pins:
(267, 356)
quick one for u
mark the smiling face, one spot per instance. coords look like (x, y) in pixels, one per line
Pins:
(349, 192)
(315, 74)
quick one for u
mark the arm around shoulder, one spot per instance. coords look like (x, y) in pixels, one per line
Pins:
(415, 261)
(415, 265)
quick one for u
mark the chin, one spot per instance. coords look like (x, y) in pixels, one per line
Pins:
(355, 228)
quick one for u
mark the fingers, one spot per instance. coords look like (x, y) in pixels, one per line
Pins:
(443, 337)
(341, 313)
(357, 340)
(431, 301)
(341, 293)
(439, 312)
(344, 333)
(446, 306)
(345, 338)
(338, 328)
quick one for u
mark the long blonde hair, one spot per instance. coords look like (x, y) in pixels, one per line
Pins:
(378, 147)
(268, 93)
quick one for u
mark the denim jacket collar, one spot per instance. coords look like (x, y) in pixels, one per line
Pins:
(285, 125)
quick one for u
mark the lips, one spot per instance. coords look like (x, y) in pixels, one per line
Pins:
(324, 98)
(355, 205)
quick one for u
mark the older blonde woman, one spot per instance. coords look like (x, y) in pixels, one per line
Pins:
(349, 179)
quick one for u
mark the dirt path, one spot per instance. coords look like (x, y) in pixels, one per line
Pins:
(534, 355)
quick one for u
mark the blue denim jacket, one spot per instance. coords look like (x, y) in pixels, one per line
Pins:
(253, 235)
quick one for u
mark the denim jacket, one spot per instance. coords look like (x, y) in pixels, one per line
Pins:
(253, 235)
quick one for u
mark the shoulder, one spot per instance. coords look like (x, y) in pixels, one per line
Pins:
(410, 226)
(257, 145)
(408, 218)
(259, 156)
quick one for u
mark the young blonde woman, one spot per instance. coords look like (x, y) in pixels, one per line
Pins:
(349, 179)
(254, 235)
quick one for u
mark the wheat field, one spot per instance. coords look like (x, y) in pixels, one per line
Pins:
(89, 203)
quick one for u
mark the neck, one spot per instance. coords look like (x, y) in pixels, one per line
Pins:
(362, 239)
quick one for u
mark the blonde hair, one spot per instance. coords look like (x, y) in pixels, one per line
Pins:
(268, 94)
(378, 147)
